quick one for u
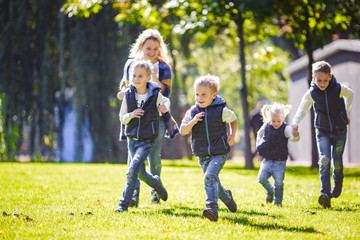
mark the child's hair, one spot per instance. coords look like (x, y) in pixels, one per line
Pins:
(143, 64)
(321, 66)
(153, 34)
(211, 81)
(276, 109)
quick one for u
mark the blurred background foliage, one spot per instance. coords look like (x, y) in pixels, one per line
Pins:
(71, 54)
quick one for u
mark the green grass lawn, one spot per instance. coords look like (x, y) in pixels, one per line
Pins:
(77, 201)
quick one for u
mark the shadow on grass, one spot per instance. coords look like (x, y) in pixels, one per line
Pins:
(181, 211)
(267, 226)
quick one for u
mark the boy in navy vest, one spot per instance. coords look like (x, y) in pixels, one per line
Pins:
(207, 121)
(332, 103)
(140, 113)
(271, 144)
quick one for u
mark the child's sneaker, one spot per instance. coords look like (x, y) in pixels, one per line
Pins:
(231, 205)
(324, 201)
(135, 199)
(336, 191)
(121, 209)
(161, 191)
(269, 197)
(154, 197)
(278, 204)
(211, 213)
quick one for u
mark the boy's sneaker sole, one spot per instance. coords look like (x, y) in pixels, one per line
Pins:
(209, 214)
(232, 204)
(324, 201)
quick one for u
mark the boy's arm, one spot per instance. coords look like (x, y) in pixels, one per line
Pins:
(125, 117)
(294, 137)
(188, 123)
(348, 95)
(163, 103)
(233, 127)
(229, 116)
(303, 108)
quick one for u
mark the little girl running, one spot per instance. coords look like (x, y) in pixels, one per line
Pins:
(271, 143)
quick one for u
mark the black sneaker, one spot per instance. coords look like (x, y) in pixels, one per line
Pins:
(269, 197)
(135, 199)
(160, 190)
(211, 213)
(231, 205)
(154, 197)
(121, 209)
(324, 201)
(336, 191)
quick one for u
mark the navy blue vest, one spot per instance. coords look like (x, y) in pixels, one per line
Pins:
(146, 127)
(209, 136)
(273, 145)
(330, 112)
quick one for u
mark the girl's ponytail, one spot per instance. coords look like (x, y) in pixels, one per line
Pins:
(265, 112)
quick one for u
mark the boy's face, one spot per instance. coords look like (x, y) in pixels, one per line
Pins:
(277, 120)
(140, 78)
(151, 50)
(322, 80)
(204, 96)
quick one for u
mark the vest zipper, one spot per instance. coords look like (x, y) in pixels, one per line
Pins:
(138, 129)
(207, 132)
(327, 109)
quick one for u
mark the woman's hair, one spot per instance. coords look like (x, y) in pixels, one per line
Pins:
(143, 64)
(211, 81)
(152, 34)
(276, 109)
(321, 66)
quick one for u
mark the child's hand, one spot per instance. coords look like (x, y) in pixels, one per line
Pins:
(348, 120)
(198, 117)
(230, 140)
(137, 113)
(120, 95)
(162, 108)
(295, 131)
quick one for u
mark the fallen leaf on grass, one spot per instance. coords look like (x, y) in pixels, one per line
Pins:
(262, 205)
(1, 232)
(165, 231)
(29, 219)
(98, 203)
(5, 214)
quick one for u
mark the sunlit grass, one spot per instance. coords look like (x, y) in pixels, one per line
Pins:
(67, 201)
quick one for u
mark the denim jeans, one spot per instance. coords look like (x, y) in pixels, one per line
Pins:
(154, 157)
(139, 150)
(276, 169)
(214, 190)
(331, 148)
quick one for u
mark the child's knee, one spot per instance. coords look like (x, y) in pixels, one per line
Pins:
(324, 161)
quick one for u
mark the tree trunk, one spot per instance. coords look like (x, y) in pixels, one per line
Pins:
(309, 50)
(243, 92)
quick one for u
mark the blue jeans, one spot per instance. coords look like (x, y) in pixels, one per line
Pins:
(154, 157)
(331, 148)
(211, 167)
(276, 169)
(139, 150)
